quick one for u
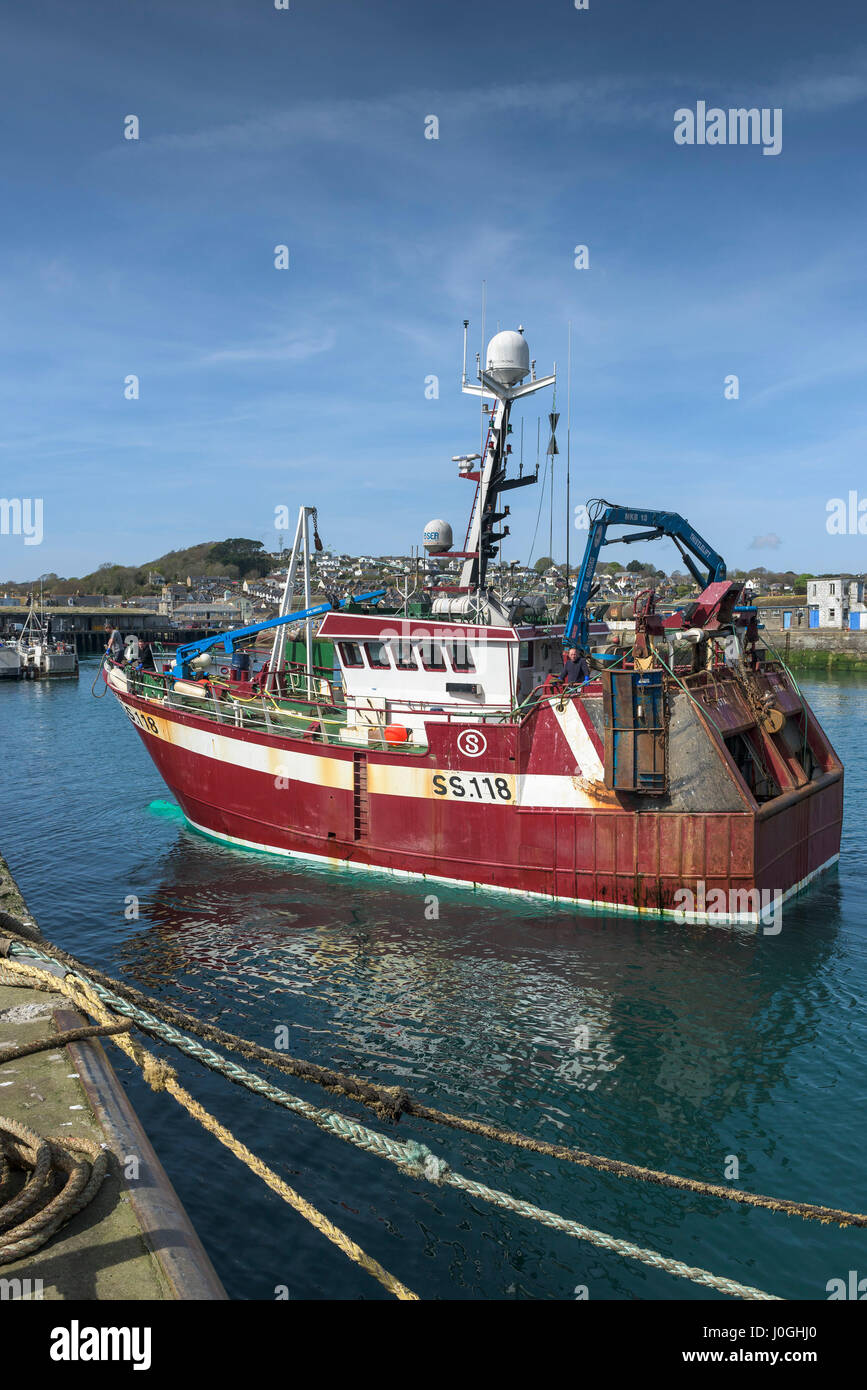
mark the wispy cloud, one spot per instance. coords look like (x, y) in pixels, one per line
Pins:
(626, 99)
(290, 350)
(826, 84)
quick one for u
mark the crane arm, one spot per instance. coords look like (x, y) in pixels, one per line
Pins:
(228, 640)
(671, 524)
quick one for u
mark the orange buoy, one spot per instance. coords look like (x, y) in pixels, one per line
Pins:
(396, 733)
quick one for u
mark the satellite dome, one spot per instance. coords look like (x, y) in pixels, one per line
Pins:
(508, 357)
(437, 537)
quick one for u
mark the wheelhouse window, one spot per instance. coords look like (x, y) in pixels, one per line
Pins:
(350, 654)
(432, 658)
(377, 655)
(404, 656)
(461, 657)
(526, 657)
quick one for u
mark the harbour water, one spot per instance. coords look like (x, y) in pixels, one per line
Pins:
(673, 1046)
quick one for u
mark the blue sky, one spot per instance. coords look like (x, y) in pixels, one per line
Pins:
(262, 387)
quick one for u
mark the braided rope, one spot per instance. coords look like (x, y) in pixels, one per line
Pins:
(411, 1156)
(390, 1102)
(161, 1076)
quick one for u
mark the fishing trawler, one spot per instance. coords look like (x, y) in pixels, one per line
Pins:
(441, 737)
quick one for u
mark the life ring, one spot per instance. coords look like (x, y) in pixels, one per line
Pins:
(224, 670)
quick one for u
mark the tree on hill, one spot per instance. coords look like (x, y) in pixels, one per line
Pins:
(543, 563)
(249, 557)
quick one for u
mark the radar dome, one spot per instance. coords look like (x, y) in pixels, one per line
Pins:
(437, 537)
(508, 357)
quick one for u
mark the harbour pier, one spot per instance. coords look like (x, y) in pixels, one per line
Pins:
(133, 1240)
(89, 628)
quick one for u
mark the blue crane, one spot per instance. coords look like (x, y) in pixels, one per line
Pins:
(604, 514)
(228, 640)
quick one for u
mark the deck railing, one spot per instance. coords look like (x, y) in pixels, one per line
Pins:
(320, 721)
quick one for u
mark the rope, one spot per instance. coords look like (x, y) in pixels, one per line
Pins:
(387, 1101)
(160, 1076)
(12, 1054)
(606, 1242)
(410, 1156)
(390, 1102)
(25, 1223)
(79, 1164)
(104, 691)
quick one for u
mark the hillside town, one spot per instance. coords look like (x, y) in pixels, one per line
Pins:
(251, 586)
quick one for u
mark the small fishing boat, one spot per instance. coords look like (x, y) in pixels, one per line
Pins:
(41, 656)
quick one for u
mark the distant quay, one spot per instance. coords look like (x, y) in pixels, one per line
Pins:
(823, 649)
(89, 628)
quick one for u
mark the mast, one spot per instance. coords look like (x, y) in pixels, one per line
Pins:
(508, 363)
(568, 452)
(300, 551)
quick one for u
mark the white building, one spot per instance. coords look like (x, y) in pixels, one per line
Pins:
(837, 601)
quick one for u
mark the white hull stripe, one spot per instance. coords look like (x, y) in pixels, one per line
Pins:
(580, 742)
(238, 752)
(531, 790)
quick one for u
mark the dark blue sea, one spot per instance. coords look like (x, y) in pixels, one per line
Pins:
(704, 1042)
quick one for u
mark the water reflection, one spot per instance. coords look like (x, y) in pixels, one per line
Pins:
(496, 1005)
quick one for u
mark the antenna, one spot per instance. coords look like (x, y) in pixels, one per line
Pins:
(482, 364)
(481, 485)
(568, 449)
(552, 449)
(464, 373)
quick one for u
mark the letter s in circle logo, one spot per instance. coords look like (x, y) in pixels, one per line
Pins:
(472, 743)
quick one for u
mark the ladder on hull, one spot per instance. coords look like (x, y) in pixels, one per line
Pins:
(360, 806)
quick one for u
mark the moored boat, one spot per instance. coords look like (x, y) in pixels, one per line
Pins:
(444, 738)
(10, 661)
(41, 655)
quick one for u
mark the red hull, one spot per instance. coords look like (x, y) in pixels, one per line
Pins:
(347, 805)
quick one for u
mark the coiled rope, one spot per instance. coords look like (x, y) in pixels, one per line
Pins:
(79, 1165)
(33, 1214)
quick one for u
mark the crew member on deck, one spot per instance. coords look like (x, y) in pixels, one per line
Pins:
(115, 646)
(575, 668)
